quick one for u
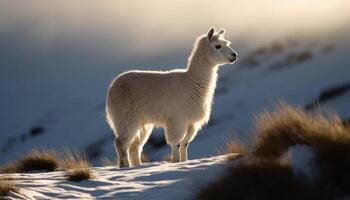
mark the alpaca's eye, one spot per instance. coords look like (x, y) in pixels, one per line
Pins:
(218, 46)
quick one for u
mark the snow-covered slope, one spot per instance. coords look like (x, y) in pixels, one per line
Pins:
(53, 108)
(157, 181)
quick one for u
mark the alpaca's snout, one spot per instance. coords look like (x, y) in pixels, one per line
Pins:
(234, 54)
(233, 57)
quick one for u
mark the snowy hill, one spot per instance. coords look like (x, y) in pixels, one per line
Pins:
(54, 111)
(157, 180)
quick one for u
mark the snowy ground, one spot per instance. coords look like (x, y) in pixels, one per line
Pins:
(157, 180)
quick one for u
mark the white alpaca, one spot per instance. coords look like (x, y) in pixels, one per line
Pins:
(178, 100)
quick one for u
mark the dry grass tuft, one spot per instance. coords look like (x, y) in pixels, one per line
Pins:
(6, 187)
(37, 160)
(76, 164)
(260, 180)
(288, 126)
(262, 175)
(9, 168)
(234, 146)
(328, 136)
(331, 163)
(79, 174)
(346, 123)
(71, 159)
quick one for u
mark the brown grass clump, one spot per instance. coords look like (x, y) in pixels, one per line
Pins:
(288, 126)
(77, 166)
(9, 168)
(6, 187)
(260, 180)
(262, 174)
(74, 163)
(79, 174)
(37, 160)
(327, 135)
(71, 159)
(332, 163)
(346, 123)
(234, 146)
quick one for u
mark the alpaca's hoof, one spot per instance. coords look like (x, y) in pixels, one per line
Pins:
(124, 165)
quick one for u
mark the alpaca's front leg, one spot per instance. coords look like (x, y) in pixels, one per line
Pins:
(174, 134)
(175, 153)
(191, 133)
(183, 151)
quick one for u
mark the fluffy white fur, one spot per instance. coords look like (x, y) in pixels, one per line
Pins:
(179, 100)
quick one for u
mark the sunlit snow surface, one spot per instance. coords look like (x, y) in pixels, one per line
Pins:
(156, 181)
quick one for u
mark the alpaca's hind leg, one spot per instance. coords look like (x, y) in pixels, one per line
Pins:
(138, 143)
(134, 152)
(123, 143)
(174, 134)
(191, 133)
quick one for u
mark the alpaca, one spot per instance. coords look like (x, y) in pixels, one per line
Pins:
(179, 100)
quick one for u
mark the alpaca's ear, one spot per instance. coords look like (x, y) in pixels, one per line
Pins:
(211, 33)
(222, 31)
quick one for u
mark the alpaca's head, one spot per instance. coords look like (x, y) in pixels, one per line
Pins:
(215, 48)
(219, 50)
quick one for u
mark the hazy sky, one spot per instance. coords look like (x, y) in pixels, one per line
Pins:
(39, 31)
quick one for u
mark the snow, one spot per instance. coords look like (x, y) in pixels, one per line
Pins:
(156, 180)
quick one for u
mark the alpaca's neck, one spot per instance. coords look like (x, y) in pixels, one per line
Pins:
(202, 76)
(201, 71)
